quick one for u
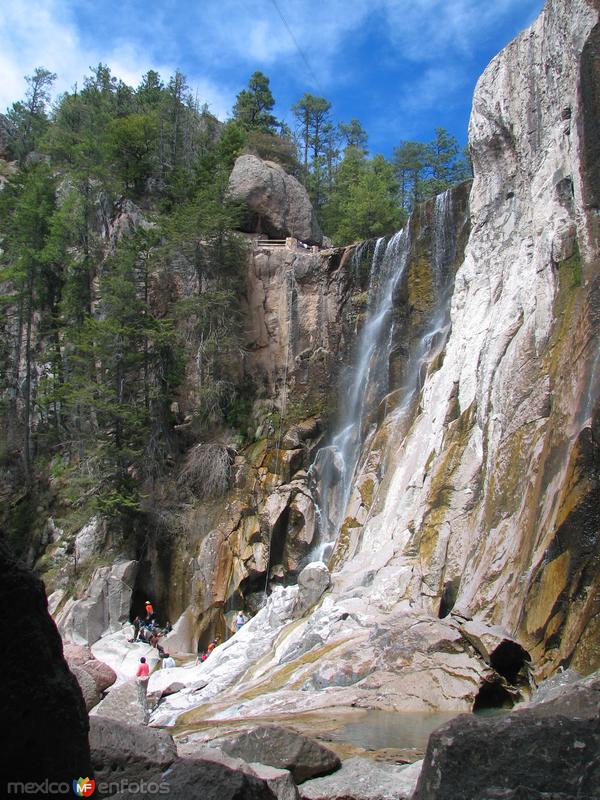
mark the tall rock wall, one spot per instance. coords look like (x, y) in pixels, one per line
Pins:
(488, 507)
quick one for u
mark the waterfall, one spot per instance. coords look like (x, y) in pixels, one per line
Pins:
(336, 465)
(333, 469)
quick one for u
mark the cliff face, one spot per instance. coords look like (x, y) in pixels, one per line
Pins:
(488, 507)
(473, 516)
(449, 477)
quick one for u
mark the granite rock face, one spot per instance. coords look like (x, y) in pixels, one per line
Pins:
(488, 509)
(277, 204)
(42, 707)
(104, 608)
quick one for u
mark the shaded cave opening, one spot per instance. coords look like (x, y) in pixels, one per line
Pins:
(448, 598)
(510, 660)
(493, 695)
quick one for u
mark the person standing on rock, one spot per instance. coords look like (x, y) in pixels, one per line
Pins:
(150, 615)
(142, 678)
(240, 621)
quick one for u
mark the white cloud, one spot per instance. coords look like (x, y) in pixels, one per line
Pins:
(42, 33)
(432, 30)
(224, 35)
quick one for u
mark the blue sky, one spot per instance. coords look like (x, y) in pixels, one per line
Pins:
(402, 67)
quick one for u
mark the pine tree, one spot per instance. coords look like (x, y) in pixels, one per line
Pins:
(28, 118)
(253, 105)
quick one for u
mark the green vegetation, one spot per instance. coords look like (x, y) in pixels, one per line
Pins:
(96, 348)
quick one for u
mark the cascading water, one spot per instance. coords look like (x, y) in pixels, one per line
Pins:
(336, 465)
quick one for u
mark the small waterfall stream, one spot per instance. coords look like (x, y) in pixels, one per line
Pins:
(335, 467)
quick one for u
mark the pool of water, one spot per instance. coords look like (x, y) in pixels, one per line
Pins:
(378, 730)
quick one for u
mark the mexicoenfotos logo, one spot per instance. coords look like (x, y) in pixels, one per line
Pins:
(84, 787)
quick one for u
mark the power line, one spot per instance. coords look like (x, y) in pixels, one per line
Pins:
(298, 48)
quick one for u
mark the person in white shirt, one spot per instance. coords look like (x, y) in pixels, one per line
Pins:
(168, 661)
(240, 621)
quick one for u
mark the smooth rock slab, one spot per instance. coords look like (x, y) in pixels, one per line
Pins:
(470, 758)
(362, 779)
(280, 747)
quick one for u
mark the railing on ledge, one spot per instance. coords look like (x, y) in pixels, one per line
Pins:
(290, 244)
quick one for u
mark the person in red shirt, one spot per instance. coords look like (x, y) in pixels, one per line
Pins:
(149, 611)
(142, 677)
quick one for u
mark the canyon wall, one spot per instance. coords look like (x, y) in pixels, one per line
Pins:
(489, 506)
(467, 555)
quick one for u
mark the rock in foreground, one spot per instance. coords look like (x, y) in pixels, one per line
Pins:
(362, 779)
(43, 713)
(132, 759)
(526, 754)
(280, 747)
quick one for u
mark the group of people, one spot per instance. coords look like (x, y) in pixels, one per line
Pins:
(240, 621)
(148, 630)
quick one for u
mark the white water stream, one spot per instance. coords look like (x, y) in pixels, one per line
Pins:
(335, 467)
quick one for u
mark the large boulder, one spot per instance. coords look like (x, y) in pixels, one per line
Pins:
(121, 704)
(120, 750)
(81, 656)
(133, 755)
(43, 712)
(91, 695)
(280, 747)
(191, 777)
(279, 781)
(277, 204)
(526, 754)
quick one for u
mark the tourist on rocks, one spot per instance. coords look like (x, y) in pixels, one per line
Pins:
(168, 661)
(142, 677)
(150, 615)
(240, 621)
(137, 622)
(212, 645)
(144, 633)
